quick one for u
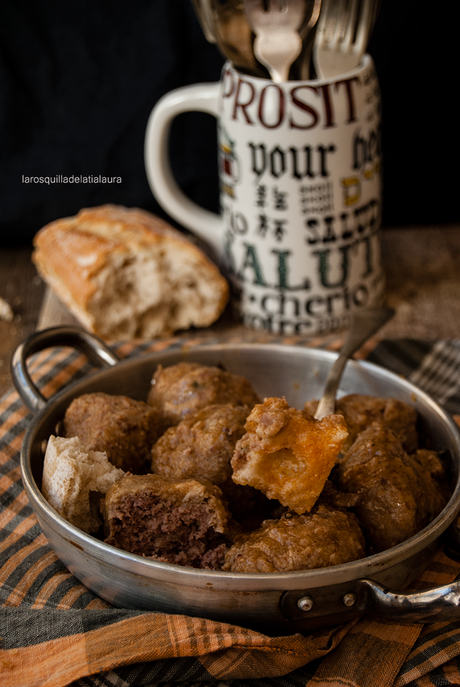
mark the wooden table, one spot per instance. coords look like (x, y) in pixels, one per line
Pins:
(422, 265)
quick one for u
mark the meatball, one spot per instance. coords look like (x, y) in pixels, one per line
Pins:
(184, 388)
(287, 454)
(399, 493)
(201, 445)
(360, 411)
(122, 427)
(433, 474)
(175, 521)
(319, 539)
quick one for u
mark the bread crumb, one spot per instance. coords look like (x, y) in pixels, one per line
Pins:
(6, 313)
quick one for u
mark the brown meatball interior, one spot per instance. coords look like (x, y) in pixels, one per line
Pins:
(176, 521)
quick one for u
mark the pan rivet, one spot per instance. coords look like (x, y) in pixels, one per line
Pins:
(349, 599)
(305, 603)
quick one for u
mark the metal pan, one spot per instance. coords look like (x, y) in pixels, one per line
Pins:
(279, 603)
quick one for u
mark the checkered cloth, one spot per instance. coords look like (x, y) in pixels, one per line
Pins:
(55, 632)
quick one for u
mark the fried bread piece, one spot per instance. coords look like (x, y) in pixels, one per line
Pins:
(287, 454)
(299, 542)
(361, 410)
(399, 493)
(176, 521)
(184, 388)
(122, 427)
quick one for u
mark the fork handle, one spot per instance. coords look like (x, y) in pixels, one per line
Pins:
(277, 53)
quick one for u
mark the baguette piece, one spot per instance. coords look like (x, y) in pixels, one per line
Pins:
(125, 273)
(73, 479)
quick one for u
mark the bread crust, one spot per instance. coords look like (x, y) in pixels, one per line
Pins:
(73, 255)
(71, 475)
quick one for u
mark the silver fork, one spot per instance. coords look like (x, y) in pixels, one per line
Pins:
(342, 34)
(276, 25)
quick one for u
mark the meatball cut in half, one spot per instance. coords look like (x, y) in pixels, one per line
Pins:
(123, 428)
(287, 454)
(399, 494)
(181, 389)
(175, 521)
(319, 539)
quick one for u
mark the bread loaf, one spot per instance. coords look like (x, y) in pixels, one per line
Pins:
(125, 273)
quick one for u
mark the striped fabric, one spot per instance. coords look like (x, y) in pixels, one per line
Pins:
(55, 632)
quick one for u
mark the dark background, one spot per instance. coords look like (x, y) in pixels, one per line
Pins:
(78, 80)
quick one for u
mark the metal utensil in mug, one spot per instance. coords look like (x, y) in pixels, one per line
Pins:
(276, 26)
(226, 25)
(342, 35)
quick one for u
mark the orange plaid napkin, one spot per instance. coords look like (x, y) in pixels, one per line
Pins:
(54, 632)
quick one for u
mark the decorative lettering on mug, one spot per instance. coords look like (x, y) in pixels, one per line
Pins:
(316, 198)
(299, 163)
(285, 313)
(304, 106)
(284, 304)
(367, 148)
(331, 229)
(251, 270)
(275, 227)
(238, 223)
(333, 266)
(344, 263)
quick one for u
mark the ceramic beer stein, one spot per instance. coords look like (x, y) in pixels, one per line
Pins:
(300, 189)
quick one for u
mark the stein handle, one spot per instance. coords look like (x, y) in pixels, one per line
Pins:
(199, 98)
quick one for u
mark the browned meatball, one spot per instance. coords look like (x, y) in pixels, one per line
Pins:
(201, 445)
(360, 411)
(122, 427)
(175, 521)
(319, 539)
(433, 473)
(398, 494)
(184, 388)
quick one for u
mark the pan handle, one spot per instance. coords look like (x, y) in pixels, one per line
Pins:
(432, 605)
(368, 597)
(75, 337)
